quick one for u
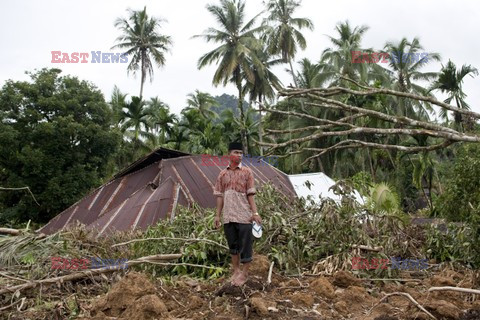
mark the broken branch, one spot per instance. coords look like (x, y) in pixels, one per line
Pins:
(418, 305)
(9, 231)
(84, 274)
(466, 290)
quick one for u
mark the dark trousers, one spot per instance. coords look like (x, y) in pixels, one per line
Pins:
(240, 240)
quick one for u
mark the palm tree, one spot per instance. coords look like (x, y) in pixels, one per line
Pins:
(160, 119)
(263, 87)
(117, 102)
(238, 43)
(284, 36)
(230, 125)
(178, 137)
(338, 60)
(310, 75)
(203, 102)
(450, 81)
(143, 43)
(406, 70)
(134, 121)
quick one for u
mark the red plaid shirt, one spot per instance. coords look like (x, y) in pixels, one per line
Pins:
(234, 185)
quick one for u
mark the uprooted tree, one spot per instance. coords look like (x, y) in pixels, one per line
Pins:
(364, 117)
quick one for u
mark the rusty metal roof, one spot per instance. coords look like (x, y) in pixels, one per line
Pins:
(142, 195)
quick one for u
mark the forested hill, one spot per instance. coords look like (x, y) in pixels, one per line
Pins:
(229, 102)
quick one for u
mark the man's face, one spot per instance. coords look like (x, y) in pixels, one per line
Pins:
(236, 156)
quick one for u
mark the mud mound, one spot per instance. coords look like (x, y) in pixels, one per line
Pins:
(439, 281)
(341, 296)
(443, 309)
(260, 266)
(345, 279)
(323, 288)
(133, 298)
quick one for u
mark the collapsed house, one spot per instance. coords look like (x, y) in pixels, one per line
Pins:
(152, 188)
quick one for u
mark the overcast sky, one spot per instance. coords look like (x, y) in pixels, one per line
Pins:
(31, 29)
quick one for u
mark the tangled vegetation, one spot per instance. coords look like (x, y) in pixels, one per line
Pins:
(300, 237)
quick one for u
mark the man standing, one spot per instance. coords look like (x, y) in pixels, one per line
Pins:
(235, 191)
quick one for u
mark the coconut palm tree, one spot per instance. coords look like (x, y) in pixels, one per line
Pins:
(178, 137)
(310, 75)
(263, 88)
(203, 102)
(406, 61)
(338, 59)
(117, 102)
(450, 81)
(161, 121)
(284, 36)
(134, 120)
(143, 43)
(231, 127)
(238, 43)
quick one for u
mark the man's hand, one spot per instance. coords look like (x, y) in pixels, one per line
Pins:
(256, 218)
(217, 222)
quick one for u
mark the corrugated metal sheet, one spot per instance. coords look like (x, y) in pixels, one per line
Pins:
(142, 196)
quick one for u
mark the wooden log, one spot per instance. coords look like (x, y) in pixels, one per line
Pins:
(9, 231)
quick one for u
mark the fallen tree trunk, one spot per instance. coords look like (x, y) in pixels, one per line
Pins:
(86, 273)
(9, 231)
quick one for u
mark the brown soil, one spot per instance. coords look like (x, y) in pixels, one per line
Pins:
(342, 296)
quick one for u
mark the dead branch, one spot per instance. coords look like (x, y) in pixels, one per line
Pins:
(466, 290)
(171, 238)
(337, 105)
(363, 247)
(88, 273)
(184, 264)
(13, 278)
(373, 91)
(419, 306)
(22, 300)
(350, 143)
(347, 129)
(269, 278)
(380, 131)
(9, 231)
(399, 280)
(22, 188)
(340, 122)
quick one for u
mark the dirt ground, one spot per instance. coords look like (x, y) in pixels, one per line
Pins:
(341, 296)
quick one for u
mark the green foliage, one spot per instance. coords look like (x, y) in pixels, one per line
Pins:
(460, 243)
(362, 182)
(193, 223)
(295, 237)
(461, 199)
(55, 138)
